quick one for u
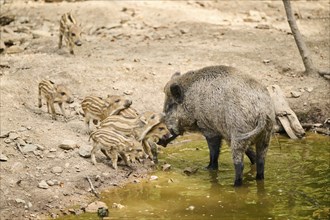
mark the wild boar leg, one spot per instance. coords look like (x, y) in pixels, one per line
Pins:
(261, 148)
(238, 156)
(251, 155)
(214, 144)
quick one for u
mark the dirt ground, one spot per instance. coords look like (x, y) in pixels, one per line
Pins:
(132, 48)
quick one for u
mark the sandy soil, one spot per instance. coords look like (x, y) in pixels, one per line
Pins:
(132, 48)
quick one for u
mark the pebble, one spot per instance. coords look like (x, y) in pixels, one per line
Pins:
(190, 208)
(28, 148)
(94, 206)
(13, 136)
(50, 183)
(20, 201)
(309, 89)
(57, 169)
(153, 177)
(7, 140)
(14, 49)
(3, 157)
(117, 206)
(43, 185)
(68, 145)
(166, 167)
(20, 141)
(85, 151)
(42, 148)
(52, 150)
(295, 94)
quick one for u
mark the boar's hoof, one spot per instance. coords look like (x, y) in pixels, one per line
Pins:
(238, 182)
(260, 176)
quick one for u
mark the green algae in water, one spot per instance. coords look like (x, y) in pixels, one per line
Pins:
(296, 185)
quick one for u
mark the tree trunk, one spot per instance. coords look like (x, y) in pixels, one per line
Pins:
(303, 50)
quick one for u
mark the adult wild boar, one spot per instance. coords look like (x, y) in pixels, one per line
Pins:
(222, 103)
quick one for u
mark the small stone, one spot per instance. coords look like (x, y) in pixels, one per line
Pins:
(14, 49)
(57, 169)
(166, 167)
(21, 129)
(13, 136)
(68, 145)
(43, 185)
(85, 151)
(20, 141)
(7, 140)
(94, 206)
(153, 178)
(52, 150)
(128, 92)
(20, 201)
(117, 206)
(39, 147)
(266, 61)
(29, 205)
(295, 94)
(309, 89)
(50, 183)
(3, 157)
(190, 208)
(189, 170)
(28, 148)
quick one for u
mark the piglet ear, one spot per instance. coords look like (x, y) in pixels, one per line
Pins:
(177, 92)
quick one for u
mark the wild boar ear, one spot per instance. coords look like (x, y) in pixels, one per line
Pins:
(177, 92)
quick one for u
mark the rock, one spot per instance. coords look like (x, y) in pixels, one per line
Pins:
(153, 178)
(14, 49)
(52, 150)
(40, 33)
(7, 140)
(85, 151)
(117, 206)
(266, 61)
(29, 205)
(295, 94)
(20, 201)
(190, 208)
(254, 16)
(42, 148)
(57, 169)
(128, 92)
(21, 129)
(13, 136)
(20, 141)
(28, 148)
(309, 89)
(262, 26)
(3, 157)
(189, 170)
(94, 206)
(68, 145)
(166, 167)
(43, 185)
(50, 183)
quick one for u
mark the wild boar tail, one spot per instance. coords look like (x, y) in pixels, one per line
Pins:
(263, 122)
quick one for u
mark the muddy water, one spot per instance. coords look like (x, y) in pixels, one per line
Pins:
(297, 185)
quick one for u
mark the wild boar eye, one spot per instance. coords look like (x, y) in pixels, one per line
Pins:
(73, 34)
(161, 128)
